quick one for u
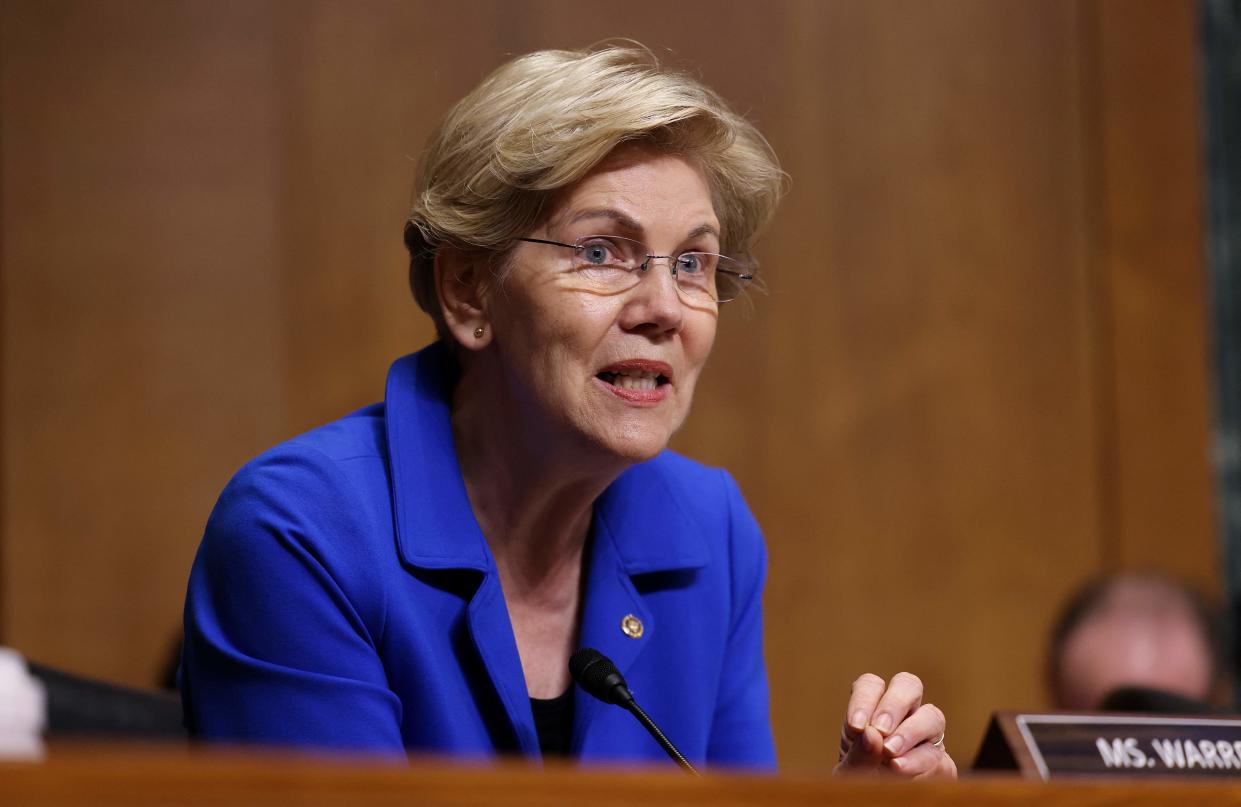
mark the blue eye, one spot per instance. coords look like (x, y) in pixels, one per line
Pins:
(595, 253)
(697, 263)
(608, 253)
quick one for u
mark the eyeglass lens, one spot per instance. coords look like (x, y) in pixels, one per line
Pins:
(615, 261)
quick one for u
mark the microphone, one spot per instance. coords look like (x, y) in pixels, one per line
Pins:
(595, 673)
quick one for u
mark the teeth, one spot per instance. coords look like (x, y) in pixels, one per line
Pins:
(632, 379)
(642, 382)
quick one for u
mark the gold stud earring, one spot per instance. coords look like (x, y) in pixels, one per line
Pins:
(478, 332)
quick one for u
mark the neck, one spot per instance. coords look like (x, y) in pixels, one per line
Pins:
(532, 491)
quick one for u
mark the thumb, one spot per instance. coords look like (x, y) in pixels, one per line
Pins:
(865, 755)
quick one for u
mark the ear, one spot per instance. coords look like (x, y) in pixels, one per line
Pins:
(461, 282)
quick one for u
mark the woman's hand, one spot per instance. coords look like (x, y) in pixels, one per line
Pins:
(887, 727)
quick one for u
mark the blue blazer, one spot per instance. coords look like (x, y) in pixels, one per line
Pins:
(344, 597)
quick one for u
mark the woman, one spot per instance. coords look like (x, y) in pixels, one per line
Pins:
(416, 575)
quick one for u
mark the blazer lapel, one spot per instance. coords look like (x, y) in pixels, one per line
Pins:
(492, 631)
(610, 599)
(638, 528)
(435, 525)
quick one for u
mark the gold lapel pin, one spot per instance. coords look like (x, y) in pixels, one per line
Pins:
(632, 626)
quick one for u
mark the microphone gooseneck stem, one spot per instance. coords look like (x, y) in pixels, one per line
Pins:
(632, 706)
(598, 677)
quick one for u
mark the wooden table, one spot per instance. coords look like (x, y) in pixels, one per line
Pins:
(135, 775)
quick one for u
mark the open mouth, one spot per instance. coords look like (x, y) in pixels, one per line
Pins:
(634, 380)
(638, 380)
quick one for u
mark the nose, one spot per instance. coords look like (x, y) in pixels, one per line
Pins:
(654, 306)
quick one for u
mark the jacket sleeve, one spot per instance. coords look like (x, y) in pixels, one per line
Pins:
(283, 616)
(741, 729)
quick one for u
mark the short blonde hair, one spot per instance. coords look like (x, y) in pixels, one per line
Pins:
(541, 122)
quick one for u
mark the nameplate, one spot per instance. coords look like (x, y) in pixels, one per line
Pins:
(1050, 746)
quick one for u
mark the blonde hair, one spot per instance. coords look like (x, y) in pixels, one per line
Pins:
(542, 121)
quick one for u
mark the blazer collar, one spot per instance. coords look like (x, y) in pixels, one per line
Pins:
(652, 530)
(435, 525)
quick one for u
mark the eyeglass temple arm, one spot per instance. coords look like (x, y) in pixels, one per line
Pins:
(545, 241)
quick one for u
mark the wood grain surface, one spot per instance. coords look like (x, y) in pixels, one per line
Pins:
(137, 776)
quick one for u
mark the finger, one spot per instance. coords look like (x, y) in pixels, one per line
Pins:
(926, 724)
(865, 755)
(865, 695)
(920, 761)
(947, 769)
(903, 696)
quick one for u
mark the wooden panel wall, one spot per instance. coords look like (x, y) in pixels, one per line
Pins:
(979, 376)
(1151, 267)
(143, 342)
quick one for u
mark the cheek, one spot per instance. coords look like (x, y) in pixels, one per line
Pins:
(560, 343)
(591, 314)
(699, 338)
(537, 316)
(575, 329)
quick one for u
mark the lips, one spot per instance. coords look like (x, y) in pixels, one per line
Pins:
(639, 381)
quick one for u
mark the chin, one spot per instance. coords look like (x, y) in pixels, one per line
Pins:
(635, 443)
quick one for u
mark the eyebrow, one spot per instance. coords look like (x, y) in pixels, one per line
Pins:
(703, 229)
(629, 223)
(626, 221)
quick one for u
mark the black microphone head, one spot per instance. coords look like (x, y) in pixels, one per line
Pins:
(595, 673)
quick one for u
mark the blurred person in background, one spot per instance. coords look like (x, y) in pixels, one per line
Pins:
(1137, 642)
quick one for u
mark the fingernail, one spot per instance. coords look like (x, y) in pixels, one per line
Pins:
(858, 721)
(883, 723)
(898, 762)
(894, 744)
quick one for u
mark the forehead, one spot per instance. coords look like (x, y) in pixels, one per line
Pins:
(636, 188)
(1138, 646)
